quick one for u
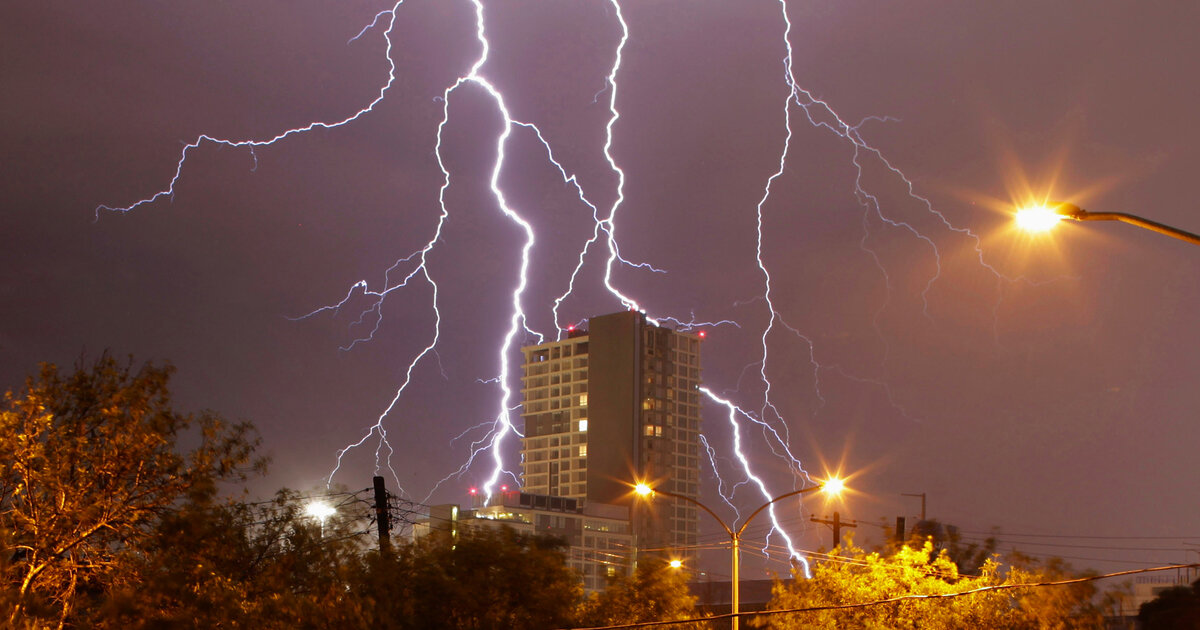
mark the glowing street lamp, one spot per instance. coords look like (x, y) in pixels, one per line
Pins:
(831, 486)
(320, 511)
(1042, 218)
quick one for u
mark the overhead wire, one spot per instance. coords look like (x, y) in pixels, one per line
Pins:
(890, 600)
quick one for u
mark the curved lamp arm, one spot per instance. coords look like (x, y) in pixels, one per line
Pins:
(1072, 211)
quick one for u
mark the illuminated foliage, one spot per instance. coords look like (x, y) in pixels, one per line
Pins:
(857, 577)
(968, 557)
(655, 592)
(87, 465)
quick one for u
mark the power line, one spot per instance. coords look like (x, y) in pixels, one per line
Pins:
(1070, 546)
(892, 600)
(1011, 534)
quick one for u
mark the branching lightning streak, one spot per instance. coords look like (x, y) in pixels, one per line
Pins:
(252, 144)
(769, 418)
(815, 109)
(376, 306)
(373, 24)
(609, 223)
(712, 462)
(773, 314)
(735, 427)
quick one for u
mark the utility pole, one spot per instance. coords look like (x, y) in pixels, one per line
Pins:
(922, 495)
(381, 515)
(900, 530)
(837, 525)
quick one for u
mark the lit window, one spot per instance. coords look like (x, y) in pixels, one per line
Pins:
(583, 450)
(583, 400)
(583, 425)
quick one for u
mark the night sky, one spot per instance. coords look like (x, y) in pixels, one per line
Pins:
(1037, 385)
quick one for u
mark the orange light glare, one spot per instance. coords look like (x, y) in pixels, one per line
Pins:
(1037, 218)
(833, 486)
(643, 490)
(675, 564)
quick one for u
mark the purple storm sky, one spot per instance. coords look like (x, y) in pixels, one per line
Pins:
(1041, 386)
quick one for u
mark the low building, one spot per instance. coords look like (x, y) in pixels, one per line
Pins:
(600, 544)
(1146, 588)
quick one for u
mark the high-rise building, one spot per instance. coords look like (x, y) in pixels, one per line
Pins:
(612, 404)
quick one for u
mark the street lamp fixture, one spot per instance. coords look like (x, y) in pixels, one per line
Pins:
(1045, 217)
(321, 511)
(832, 487)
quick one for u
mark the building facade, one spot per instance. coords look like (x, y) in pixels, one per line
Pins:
(598, 535)
(614, 404)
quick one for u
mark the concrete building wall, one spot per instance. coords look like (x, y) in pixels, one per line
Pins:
(614, 376)
(611, 405)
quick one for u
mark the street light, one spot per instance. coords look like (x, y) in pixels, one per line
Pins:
(832, 486)
(1041, 218)
(320, 510)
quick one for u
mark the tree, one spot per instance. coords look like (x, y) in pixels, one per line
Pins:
(240, 565)
(655, 592)
(969, 558)
(1055, 607)
(1176, 608)
(857, 577)
(88, 464)
(480, 579)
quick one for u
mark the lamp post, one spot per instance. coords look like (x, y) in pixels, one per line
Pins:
(831, 486)
(1039, 218)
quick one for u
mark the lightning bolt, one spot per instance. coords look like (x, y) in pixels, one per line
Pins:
(736, 429)
(412, 270)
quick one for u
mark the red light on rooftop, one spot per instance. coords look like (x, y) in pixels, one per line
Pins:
(473, 491)
(503, 488)
(702, 334)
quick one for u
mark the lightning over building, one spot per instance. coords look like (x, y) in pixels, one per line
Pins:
(614, 404)
(629, 380)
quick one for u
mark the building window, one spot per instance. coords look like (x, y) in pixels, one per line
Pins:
(583, 450)
(583, 425)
